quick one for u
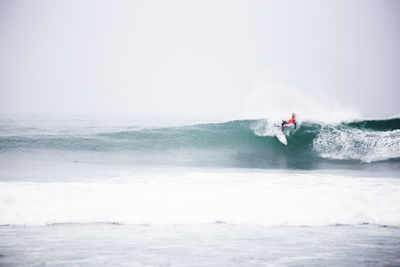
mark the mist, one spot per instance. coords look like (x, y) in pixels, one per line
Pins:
(199, 58)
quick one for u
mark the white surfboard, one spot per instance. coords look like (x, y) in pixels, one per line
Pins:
(280, 135)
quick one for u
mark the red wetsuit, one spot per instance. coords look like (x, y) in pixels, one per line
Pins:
(292, 120)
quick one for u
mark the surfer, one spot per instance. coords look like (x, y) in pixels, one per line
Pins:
(292, 120)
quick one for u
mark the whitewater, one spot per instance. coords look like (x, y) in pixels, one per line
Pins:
(122, 190)
(269, 199)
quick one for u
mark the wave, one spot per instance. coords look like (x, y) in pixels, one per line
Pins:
(240, 143)
(245, 198)
(377, 125)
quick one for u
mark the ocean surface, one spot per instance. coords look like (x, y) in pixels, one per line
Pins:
(103, 191)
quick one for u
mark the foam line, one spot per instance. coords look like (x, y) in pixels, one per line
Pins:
(249, 199)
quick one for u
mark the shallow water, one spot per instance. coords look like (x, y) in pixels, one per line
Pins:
(199, 245)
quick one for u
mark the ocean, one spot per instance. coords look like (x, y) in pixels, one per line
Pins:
(116, 190)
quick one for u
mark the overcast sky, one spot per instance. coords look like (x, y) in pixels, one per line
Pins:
(198, 58)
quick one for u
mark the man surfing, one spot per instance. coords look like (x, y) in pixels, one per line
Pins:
(292, 120)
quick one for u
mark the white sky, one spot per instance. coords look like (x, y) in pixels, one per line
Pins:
(198, 58)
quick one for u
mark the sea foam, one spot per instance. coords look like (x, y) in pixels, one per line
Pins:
(357, 144)
(245, 198)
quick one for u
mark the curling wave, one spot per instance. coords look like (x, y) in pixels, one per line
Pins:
(241, 143)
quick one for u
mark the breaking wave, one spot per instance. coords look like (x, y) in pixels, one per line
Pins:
(206, 197)
(240, 143)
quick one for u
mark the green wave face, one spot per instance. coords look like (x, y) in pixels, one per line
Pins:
(238, 144)
(377, 125)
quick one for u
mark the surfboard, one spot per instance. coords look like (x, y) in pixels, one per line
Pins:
(280, 135)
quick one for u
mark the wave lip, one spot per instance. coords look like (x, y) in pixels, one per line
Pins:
(390, 124)
(197, 198)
